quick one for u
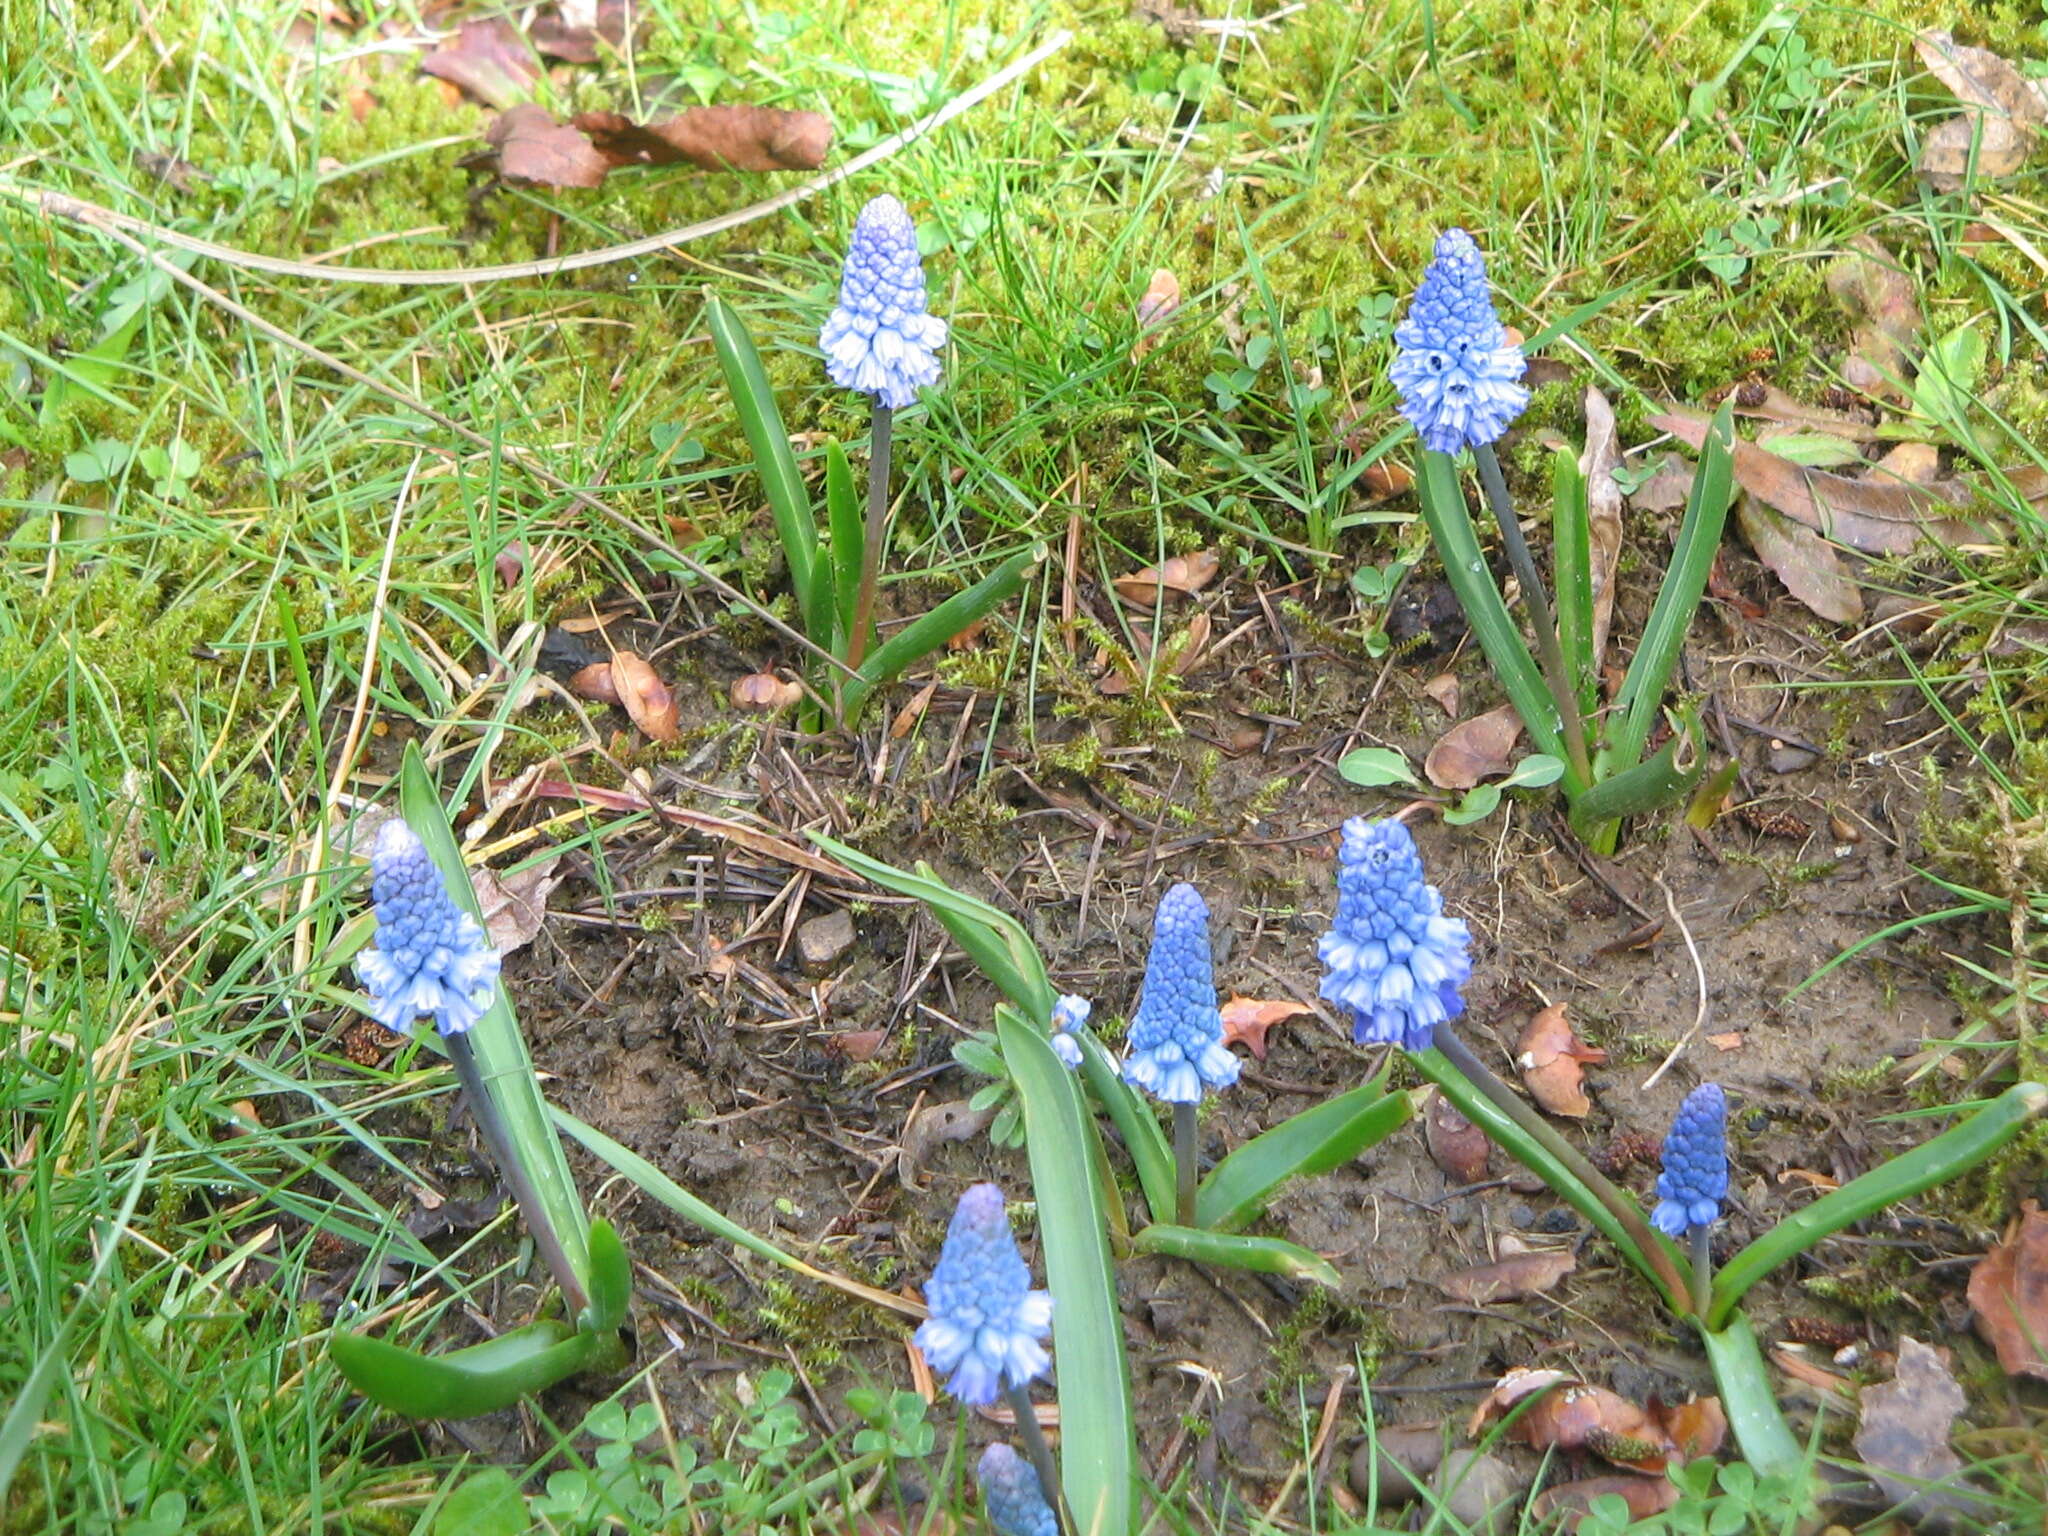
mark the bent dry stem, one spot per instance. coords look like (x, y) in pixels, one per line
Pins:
(1677, 1289)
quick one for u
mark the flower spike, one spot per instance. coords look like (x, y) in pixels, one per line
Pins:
(1695, 1177)
(986, 1323)
(879, 339)
(1176, 1040)
(428, 956)
(1011, 1494)
(1455, 367)
(1391, 956)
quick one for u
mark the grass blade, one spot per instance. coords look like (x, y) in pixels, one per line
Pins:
(1314, 1141)
(1265, 1255)
(500, 1050)
(781, 483)
(1099, 1453)
(1906, 1175)
(1457, 545)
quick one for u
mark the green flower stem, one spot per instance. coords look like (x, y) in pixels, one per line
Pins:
(1036, 1451)
(1548, 650)
(1184, 1168)
(498, 1137)
(877, 533)
(1677, 1291)
(1702, 1268)
(1765, 1439)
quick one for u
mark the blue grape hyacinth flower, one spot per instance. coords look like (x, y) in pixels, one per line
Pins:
(1069, 1014)
(428, 955)
(987, 1325)
(1695, 1177)
(1391, 956)
(1176, 1037)
(1011, 1494)
(1455, 367)
(879, 339)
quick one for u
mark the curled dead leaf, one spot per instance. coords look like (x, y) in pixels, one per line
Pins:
(489, 59)
(1573, 1501)
(1509, 1279)
(856, 1044)
(1578, 1417)
(1455, 1144)
(1182, 573)
(515, 905)
(1246, 1020)
(2008, 1295)
(645, 696)
(1156, 305)
(1385, 478)
(1698, 1427)
(594, 683)
(1444, 689)
(1904, 1432)
(1800, 558)
(764, 691)
(1879, 295)
(535, 150)
(955, 1120)
(1603, 507)
(718, 138)
(573, 33)
(2003, 114)
(1550, 1057)
(1480, 748)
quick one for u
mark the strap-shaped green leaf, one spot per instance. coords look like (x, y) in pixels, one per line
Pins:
(1266, 1255)
(849, 538)
(1659, 780)
(1571, 557)
(782, 485)
(922, 636)
(480, 1379)
(611, 1280)
(1952, 1152)
(1134, 1121)
(1098, 1454)
(1750, 1401)
(500, 1050)
(994, 940)
(1314, 1141)
(1457, 545)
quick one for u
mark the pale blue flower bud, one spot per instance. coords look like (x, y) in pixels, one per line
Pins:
(428, 955)
(879, 339)
(1176, 1036)
(987, 1324)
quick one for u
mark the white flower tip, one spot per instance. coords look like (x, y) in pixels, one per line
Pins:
(395, 839)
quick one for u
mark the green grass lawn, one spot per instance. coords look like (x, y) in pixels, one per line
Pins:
(225, 563)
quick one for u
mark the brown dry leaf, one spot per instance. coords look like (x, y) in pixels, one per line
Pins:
(738, 138)
(1668, 489)
(533, 149)
(1182, 573)
(1603, 507)
(1878, 293)
(1804, 561)
(1523, 1381)
(1809, 1178)
(1878, 517)
(1246, 1020)
(934, 1124)
(1455, 1144)
(2003, 115)
(646, 696)
(856, 1044)
(515, 905)
(489, 58)
(1698, 1428)
(1644, 1496)
(1731, 1041)
(1903, 1436)
(1384, 478)
(2009, 1295)
(1510, 1279)
(1480, 748)
(573, 33)
(594, 683)
(1795, 1363)
(1912, 463)
(1575, 1416)
(908, 716)
(1771, 403)
(764, 691)
(1550, 1057)
(1444, 689)
(1156, 305)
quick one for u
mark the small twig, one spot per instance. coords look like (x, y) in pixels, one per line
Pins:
(1699, 971)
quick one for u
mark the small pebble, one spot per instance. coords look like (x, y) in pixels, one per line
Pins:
(1403, 1456)
(1480, 1492)
(820, 941)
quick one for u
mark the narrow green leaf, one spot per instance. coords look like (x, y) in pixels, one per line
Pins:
(500, 1049)
(1098, 1452)
(1134, 1121)
(849, 537)
(1660, 780)
(1531, 1154)
(994, 940)
(781, 483)
(611, 1280)
(1457, 545)
(480, 1379)
(1935, 1162)
(1699, 537)
(1572, 554)
(1312, 1142)
(654, 1182)
(922, 636)
(1267, 1255)
(1750, 1400)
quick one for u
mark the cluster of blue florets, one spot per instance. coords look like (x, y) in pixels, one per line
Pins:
(879, 339)
(1695, 1177)
(429, 957)
(1454, 366)
(1391, 957)
(987, 1325)
(1176, 1039)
